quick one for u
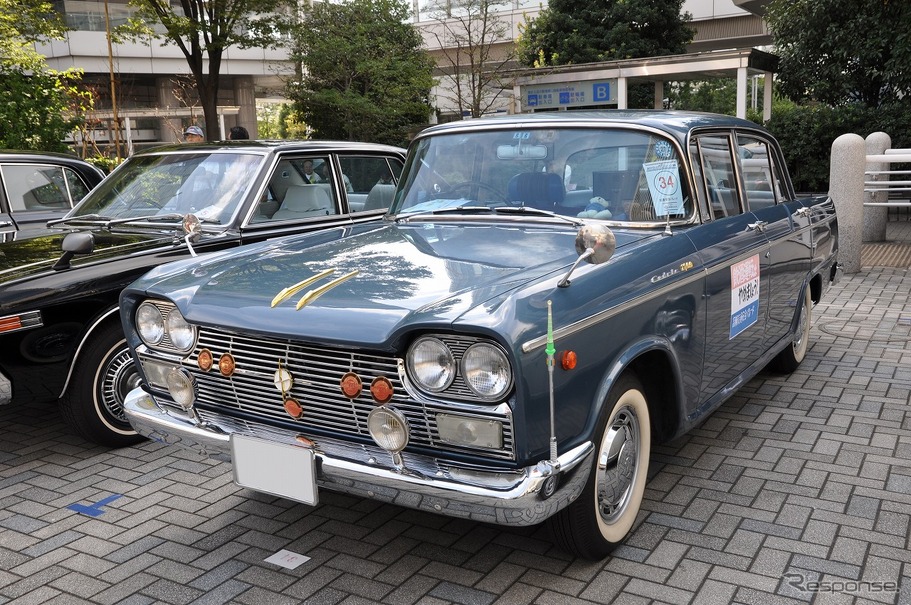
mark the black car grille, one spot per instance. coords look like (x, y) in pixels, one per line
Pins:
(251, 393)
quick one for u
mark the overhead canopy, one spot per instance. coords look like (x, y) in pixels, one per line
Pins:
(597, 84)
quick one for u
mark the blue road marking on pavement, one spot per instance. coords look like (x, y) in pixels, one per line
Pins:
(94, 510)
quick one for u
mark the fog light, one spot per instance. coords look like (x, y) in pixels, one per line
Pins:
(156, 372)
(226, 364)
(388, 428)
(351, 385)
(205, 361)
(181, 388)
(464, 430)
(381, 389)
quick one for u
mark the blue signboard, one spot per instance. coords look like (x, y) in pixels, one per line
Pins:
(569, 94)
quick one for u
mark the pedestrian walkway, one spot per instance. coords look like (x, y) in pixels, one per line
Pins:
(895, 251)
(796, 490)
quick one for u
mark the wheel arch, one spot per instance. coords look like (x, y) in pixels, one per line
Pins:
(104, 319)
(653, 361)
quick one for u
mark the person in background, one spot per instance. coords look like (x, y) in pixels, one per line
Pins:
(238, 133)
(310, 177)
(193, 134)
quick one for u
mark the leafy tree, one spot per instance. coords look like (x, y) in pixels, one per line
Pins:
(842, 51)
(364, 74)
(475, 46)
(38, 106)
(203, 30)
(584, 31)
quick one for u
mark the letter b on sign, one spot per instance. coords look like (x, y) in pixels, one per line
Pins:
(601, 92)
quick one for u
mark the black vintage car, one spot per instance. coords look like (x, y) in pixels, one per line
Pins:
(60, 332)
(36, 187)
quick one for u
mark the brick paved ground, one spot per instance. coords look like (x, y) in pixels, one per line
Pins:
(797, 479)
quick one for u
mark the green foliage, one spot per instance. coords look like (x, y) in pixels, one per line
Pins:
(806, 134)
(842, 52)
(583, 31)
(39, 107)
(366, 76)
(203, 30)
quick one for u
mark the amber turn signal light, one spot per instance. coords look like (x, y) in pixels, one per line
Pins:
(568, 360)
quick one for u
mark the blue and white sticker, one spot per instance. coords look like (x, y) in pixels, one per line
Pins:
(744, 295)
(664, 185)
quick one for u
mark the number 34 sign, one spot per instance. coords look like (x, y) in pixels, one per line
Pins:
(663, 179)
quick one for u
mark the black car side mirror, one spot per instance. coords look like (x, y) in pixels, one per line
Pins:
(74, 243)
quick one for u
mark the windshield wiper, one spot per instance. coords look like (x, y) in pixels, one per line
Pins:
(81, 217)
(450, 210)
(538, 212)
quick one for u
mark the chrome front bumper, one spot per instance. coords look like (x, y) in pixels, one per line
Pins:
(515, 498)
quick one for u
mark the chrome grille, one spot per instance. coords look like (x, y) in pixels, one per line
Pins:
(317, 372)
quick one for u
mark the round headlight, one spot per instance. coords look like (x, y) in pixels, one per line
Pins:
(431, 364)
(182, 334)
(388, 428)
(485, 369)
(149, 323)
(180, 387)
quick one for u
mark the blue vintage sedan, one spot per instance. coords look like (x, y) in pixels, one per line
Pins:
(548, 296)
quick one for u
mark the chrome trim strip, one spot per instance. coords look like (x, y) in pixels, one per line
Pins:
(535, 343)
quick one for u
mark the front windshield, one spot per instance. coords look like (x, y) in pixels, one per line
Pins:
(210, 184)
(615, 174)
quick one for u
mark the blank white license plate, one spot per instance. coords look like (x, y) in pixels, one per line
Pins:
(274, 468)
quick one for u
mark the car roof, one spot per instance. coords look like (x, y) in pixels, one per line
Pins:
(15, 155)
(677, 122)
(276, 145)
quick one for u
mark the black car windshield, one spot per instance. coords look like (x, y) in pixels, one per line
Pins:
(614, 174)
(210, 184)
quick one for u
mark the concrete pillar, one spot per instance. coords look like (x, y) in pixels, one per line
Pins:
(245, 98)
(170, 129)
(846, 188)
(767, 97)
(874, 223)
(622, 102)
(659, 94)
(741, 92)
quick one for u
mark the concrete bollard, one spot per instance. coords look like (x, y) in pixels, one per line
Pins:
(846, 188)
(874, 220)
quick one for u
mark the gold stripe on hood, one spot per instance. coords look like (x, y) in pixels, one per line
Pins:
(317, 292)
(291, 290)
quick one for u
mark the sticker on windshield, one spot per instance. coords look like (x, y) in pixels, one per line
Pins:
(744, 295)
(664, 184)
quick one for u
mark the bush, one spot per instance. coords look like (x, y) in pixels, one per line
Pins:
(806, 134)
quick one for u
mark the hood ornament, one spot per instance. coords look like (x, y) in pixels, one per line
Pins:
(313, 294)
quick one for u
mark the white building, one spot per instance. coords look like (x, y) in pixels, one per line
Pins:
(150, 78)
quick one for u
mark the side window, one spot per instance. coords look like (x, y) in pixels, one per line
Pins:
(30, 187)
(718, 171)
(370, 181)
(78, 188)
(762, 185)
(300, 188)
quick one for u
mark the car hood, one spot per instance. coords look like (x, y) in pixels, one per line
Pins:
(390, 275)
(39, 250)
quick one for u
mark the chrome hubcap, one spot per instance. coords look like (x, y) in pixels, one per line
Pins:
(617, 463)
(119, 378)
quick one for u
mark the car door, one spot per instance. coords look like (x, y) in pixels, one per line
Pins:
(735, 254)
(36, 193)
(785, 224)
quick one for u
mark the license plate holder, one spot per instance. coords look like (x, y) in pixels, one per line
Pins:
(279, 469)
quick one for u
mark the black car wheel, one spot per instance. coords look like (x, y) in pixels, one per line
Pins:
(604, 513)
(102, 377)
(789, 359)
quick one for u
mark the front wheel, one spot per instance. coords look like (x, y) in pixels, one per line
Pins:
(602, 516)
(102, 377)
(788, 360)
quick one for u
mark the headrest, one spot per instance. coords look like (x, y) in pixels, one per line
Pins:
(306, 198)
(536, 188)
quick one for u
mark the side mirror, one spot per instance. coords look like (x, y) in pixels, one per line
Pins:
(595, 244)
(74, 243)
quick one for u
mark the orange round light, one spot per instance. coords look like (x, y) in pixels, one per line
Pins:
(205, 361)
(226, 364)
(293, 408)
(381, 389)
(351, 385)
(568, 360)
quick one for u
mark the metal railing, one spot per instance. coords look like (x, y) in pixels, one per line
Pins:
(883, 190)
